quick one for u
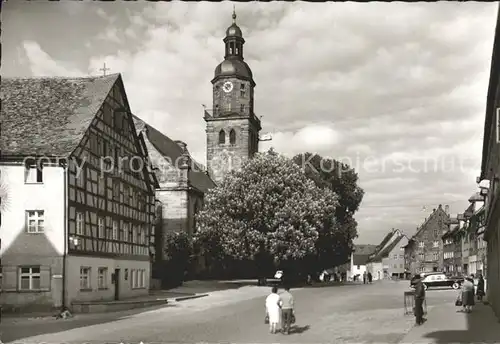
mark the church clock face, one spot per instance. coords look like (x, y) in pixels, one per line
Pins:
(228, 86)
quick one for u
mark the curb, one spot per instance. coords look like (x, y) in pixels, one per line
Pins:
(190, 297)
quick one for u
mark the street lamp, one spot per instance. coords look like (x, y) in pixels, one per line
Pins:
(74, 240)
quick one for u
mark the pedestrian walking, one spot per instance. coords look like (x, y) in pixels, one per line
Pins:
(273, 311)
(419, 300)
(467, 294)
(287, 305)
(364, 277)
(370, 277)
(480, 288)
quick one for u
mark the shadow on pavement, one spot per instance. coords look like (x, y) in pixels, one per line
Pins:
(482, 327)
(299, 329)
(15, 329)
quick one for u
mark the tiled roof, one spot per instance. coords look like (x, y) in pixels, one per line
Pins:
(49, 116)
(169, 148)
(364, 249)
(360, 259)
(386, 251)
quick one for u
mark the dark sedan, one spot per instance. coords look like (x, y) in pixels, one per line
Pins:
(436, 280)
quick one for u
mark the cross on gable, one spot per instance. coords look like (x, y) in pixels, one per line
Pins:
(104, 69)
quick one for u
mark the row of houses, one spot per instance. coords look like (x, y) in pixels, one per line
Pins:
(88, 190)
(451, 244)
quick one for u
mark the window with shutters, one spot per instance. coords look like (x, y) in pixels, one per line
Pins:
(29, 278)
(85, 281)
(35, 221)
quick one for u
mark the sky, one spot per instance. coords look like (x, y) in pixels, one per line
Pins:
(397, 90)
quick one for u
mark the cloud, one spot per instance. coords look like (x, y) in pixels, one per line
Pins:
(42, 63)
(397, 89)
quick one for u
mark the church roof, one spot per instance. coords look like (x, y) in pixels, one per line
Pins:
(170, 149)
(233, 67)
(47, 115)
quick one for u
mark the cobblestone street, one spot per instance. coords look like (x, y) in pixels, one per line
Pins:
(340, 314)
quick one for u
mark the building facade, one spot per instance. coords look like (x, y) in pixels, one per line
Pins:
(232, 126)
(424, 251)
(490, 176)
(380, 264)
(79, 225)
(452, 248)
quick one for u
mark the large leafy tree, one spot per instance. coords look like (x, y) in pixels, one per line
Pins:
(335, 246)
(269, 208)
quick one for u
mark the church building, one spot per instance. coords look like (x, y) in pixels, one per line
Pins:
(232, 126)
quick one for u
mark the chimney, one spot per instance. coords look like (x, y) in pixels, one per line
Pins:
(447, 209)
(440, 206)
(434, 210)
(182, 145)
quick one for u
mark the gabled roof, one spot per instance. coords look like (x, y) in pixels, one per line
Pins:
(364, 249)
(386, 251)
(360, 259)
(384, 241)
(49, 116)
(424, 225)
(172, 151)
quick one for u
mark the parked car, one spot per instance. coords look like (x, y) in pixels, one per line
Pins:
(438, 279)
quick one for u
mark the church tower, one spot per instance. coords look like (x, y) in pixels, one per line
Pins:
(232, 127)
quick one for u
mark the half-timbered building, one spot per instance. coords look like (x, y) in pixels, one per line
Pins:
(182, 185)
(78, 225)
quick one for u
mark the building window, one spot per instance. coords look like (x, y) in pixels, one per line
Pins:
(242, 108)
(1, 278)
(395, 266)
(79, 223)
(138, 278)
(435, 256)
(395, 256)
(29, 278)
(143, 236)
(100, 227)
(421, 244)
(436, 232)
(421, 256)
(102, 278)
(115, 230)
(401, 256)
(400, 266)
(232, 137)
(35, 221)
(85, 278)
(242, 89)
(134, 234)
(80, 178)
(126, 232)
(33, 172)
(435, 244)
(222, 137)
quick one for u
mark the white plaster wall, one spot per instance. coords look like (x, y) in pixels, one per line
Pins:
(47, 196)
(125, 286)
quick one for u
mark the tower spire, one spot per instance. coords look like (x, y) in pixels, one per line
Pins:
(234, 14)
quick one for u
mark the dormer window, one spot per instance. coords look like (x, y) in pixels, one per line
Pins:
(242, 89)
(33, 172)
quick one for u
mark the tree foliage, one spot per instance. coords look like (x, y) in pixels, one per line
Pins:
(177, 252)
(342, 179)
(268, 208)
